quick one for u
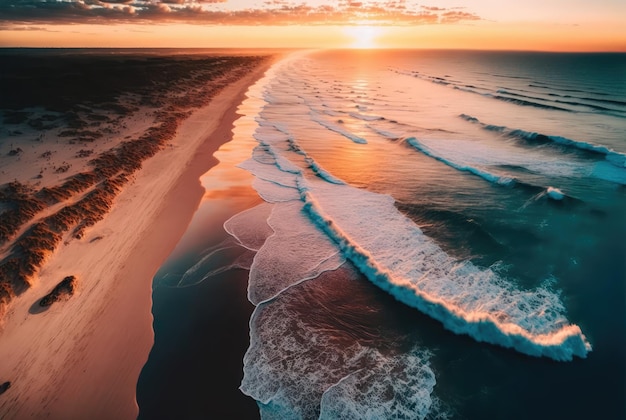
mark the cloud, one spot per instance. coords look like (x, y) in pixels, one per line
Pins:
(214, 12)
(433, 8)
(456, 16)
(113, 1)
(31, 28)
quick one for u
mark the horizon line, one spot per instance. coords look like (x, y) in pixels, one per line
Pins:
(620, 51)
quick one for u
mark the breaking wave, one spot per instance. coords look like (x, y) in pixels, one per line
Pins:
(487, 176)
(616, 158)
(337, 129)
(552, 101)
(403, 262)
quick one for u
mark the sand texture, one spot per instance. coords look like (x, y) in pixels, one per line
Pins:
(98, 180)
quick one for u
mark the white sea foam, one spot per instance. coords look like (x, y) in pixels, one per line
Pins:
(297, 369)
(555, 193)
(487, 176)
(213, 263)
(387, 134)
(482, 160)
(249, 227)
(365, 117)
(274, 193)
(403, 261)
(466, 299)
(395, 387)
(295, 252)
(616, 158)
(269, 172)
(321, 172)
(333, 127)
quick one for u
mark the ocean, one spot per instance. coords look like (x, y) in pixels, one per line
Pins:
(406, 234)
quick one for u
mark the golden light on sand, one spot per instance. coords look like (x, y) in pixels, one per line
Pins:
(363, 37)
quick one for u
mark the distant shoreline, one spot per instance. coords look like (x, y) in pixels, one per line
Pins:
(81, 357)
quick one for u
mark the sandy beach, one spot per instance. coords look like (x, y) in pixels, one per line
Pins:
(81, 356)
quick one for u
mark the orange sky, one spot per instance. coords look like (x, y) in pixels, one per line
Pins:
(573, 25)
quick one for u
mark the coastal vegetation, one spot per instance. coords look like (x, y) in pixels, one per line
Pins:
(84, 98)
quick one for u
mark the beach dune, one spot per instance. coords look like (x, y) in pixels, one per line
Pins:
(80, 356)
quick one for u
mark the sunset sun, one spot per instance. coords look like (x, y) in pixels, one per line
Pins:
(363, 37)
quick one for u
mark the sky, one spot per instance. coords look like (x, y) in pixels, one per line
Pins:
(549, 25)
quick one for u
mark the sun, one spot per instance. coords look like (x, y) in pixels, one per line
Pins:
(364, 37)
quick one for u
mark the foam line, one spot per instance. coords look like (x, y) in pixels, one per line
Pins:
(559, 101)
(250, 227)
(561, 344)
(365, 393)
(488, 94)
(315, 167)
(387, 134)
(338, 130)
(401, 261)
(487, 176)
(322, 173)
(366, 117)
(616, 158)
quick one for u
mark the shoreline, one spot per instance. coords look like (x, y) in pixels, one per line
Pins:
(80, 358)
(201, 316)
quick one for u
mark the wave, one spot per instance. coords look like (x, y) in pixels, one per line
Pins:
(555, 193)
(488, 92)
(213, 263)
(463, 237)
(298, 368)
(506, 95)
(505, 180)
(504, 76)
(366, 117)
(413, 269)
(604, 101)
(266, 173)
(365, 392)
(249, 227)
(462, 311)
(384, 133)
(282, 262)
(616, 158)
(277, 181)
(487, 176)
(541, 85)
(337, 129)
(525, 102)
(315, 167)
(321, 172)
(561, 101)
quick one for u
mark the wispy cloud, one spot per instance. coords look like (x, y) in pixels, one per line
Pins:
(31, 28)
(272, 12)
